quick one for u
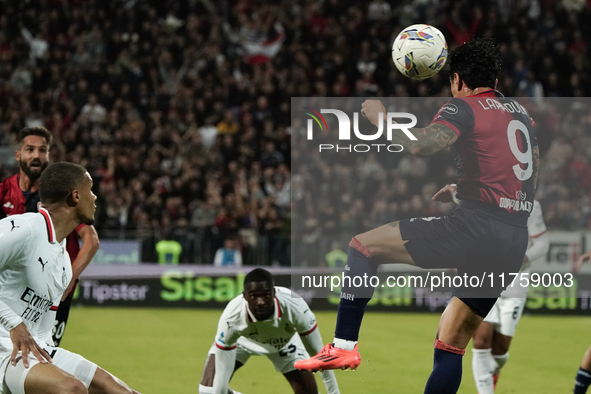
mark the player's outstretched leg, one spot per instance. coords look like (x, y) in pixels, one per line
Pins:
(583, 379)
(456, 327)
(366, 252)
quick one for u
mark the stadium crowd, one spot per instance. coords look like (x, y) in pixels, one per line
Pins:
(181, 110)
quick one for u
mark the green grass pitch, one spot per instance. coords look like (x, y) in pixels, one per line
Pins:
(162, 351)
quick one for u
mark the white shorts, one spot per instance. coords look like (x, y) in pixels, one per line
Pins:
(505, 315)
(282, 360)
(72, 363)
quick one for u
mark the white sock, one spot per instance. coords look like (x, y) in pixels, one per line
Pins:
(344, 344)
(209, 390)
(501, 361)
(483, 365)
(205, 389)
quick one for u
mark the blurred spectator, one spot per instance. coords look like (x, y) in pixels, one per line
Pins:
(228, 255)
(37, 44)
(95, 112)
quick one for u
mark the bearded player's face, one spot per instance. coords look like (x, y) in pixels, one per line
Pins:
(33, 156)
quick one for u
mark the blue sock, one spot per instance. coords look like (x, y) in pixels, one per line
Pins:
(582, 381)
(354, 299)
(447, 373)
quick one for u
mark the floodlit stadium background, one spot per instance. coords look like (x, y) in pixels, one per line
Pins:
(181, 113)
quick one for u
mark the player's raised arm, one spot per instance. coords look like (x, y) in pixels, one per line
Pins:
(90, 245)
(429, 140)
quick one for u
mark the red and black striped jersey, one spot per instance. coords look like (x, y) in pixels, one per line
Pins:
(493, 152)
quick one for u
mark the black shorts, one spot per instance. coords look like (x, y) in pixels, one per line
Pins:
(475, 239)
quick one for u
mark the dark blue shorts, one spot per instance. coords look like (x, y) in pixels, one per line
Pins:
(474, 239)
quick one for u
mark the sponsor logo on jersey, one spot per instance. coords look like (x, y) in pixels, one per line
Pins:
(43, 264)
(13, 225)
(37, 305)
(277, 343)
(519, 195)
(450, 109)
(515, 205)
(8, 205)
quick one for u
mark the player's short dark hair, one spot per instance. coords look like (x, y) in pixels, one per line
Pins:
(59, 180)
(40, 131)
(258, 275)
(477, 62)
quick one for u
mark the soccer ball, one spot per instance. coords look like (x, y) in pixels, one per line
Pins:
(419, 51)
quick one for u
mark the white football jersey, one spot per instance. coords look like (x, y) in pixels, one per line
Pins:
(35, 270)
(535, 228)
(238, 325)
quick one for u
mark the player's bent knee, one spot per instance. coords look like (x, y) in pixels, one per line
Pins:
(68, 386)
(105, 383)
(74, 386)
(358, 245)
(383, 244)
(482, 342)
